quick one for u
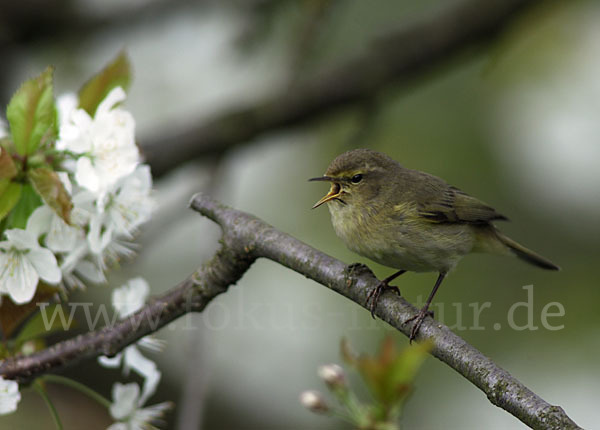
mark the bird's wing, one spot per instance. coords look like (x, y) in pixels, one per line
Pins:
(439, 202)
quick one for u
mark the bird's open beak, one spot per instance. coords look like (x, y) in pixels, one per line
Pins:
(333, 193)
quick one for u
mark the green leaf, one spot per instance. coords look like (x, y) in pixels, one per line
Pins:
(10, 193)
(115, 74)
(28, 202)
(8, 169)
(408, 363)
(390, 373)
(32, 113)
(49, 187)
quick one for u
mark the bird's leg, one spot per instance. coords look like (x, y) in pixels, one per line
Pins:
(373, 296)
(425, 310)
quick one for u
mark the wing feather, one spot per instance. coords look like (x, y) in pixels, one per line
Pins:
(439, 202)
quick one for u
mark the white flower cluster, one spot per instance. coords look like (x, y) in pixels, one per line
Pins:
(128, 411)
(128, 401)
(9, 396)
(110, 191)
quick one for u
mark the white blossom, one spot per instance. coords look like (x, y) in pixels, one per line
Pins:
(132, 359)
(105, 143)
(333, 375)
(130, 297)
(101, 245)
(60, 236)
(78, 263)
(68, 242)
(86, 209)
(22, 263)
(127, 300)
(129, 206)
(112, 224)
(132, 204)
(127, 409)
(314, 401)
(66, 105)
(9, 396)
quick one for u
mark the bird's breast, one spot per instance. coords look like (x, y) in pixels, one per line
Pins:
(403, 241)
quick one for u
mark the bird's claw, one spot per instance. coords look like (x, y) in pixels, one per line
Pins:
(418, 319)
(375, 293)
(373, 297)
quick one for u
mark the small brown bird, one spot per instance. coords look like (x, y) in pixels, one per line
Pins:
(410, 220)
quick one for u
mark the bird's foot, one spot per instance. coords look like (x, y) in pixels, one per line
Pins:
(374, 295)
(418, 319)
(358, 269)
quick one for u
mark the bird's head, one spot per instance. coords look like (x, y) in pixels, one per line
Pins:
(357, 177)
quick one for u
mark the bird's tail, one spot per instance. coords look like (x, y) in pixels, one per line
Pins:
(489, 239)
(525, 253)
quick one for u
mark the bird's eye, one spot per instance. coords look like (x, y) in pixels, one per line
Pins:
(356, 178)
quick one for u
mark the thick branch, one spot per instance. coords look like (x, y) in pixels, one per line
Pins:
(246, 238)
(356, 281)
(191, 295)
(403, 55)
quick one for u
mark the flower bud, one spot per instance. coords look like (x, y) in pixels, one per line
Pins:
(333, 375)
(314, 401)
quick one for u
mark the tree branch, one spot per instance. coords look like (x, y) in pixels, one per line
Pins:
(403, 55)
(246, 238)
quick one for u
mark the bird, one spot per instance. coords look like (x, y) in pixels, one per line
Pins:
(410, 221)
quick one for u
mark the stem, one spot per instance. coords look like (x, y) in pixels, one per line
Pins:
(348, 399)
(42, 392)
(80, 387)
(344, 417)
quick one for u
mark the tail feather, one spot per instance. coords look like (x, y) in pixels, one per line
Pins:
(526, 254)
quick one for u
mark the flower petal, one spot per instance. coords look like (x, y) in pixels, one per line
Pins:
(45, 264)
(110, 362)
(125, 398)
(65, 104)
(21, 239)
(90, 272)
(61, 237)
(143, 367)
(97, 239)
(130, 297)
(116, 95)
(18, 277)
(64, 178)
(9, 396)
(85, 174)
(39, 221)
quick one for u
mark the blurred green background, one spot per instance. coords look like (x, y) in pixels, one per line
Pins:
(514, 123)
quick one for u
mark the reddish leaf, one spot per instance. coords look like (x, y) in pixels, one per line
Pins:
(8, 170)
(117, 73)
(12, 315)
(49, 187)
(388, 374)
